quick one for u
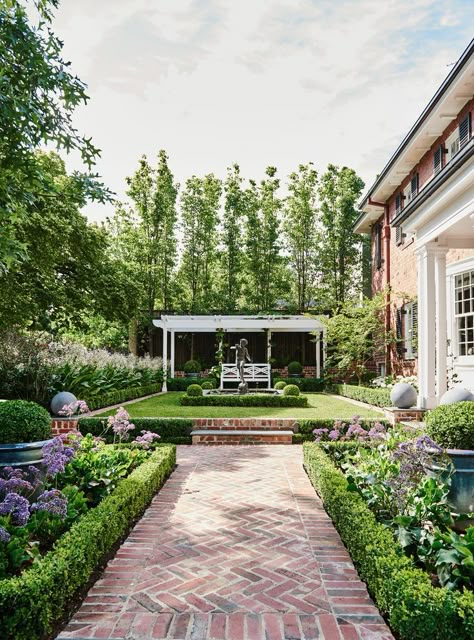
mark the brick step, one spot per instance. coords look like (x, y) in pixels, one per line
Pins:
(259, 424)
(240, 436)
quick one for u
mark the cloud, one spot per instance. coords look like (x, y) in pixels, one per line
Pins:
(257, 81)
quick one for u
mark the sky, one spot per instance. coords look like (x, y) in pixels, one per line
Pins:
(258, 82)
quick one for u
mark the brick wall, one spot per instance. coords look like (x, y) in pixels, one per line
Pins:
(61, 426)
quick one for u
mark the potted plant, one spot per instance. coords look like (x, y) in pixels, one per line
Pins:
(452, 427)
(192, 369)
(295, 369)
(25, 427)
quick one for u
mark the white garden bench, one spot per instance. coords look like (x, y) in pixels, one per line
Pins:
(253, 372)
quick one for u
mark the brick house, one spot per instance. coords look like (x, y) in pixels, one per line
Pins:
(420, 214)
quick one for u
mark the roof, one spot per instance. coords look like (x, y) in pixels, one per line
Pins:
(236, 324)
(456, 90)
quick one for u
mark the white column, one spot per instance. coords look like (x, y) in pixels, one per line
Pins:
(165, 358)
(172, 357)
(441, 323)
(269, 355)
(426, 327)
(318, 355)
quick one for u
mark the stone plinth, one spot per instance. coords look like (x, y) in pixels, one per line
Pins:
(394, 415)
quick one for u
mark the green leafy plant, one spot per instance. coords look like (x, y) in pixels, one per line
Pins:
(281, 384)
(23, 421)
(173, 430)
(192, 366)
(194, 390)
(295, 367)
(452, 425)
(291, 390)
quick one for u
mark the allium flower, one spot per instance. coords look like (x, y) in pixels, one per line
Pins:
(4, 535)
(56, 456)
(146, 439)
(17, 507)
(53, 502)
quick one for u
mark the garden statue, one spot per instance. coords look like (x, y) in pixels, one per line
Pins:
(242, 356)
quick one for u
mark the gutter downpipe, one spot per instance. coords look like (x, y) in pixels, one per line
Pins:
(386, 238)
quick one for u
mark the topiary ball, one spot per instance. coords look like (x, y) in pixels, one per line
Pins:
(281, 384)
(452, 425)
(60, 400)
(295, 367)
(207, 385)
(291, 390)
(403, 395)
(456, 395)
(194, 390)
(22, 421)
(192, 366)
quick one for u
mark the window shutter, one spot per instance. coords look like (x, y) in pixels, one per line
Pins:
(438, 159)
(414, 328)
(399, 333)
(378, 246)
(398, 204)
(399, 235)
(414, 185)
(465, 131)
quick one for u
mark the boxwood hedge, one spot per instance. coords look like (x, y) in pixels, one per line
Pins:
(174, 430)
(305, 384)
(31, 604)
(415, 609)
(181, 384)
(251, 400)
(116, 397)
(306, 427)
(376, 397)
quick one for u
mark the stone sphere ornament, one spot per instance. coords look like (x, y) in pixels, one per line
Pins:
(403, 395)
(457, 394)
(243, 388)
(60, 400)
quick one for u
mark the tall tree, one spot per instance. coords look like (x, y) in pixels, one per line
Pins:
(300, 219)
(339, 247)
(235, 207)
(199, 219)
(38, 97)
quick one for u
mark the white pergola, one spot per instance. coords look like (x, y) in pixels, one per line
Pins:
(237, 324)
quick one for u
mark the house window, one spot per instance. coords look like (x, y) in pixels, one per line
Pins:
(378, 246)
(407, 331)
(464, 312)
(452, 145)
(411, 190)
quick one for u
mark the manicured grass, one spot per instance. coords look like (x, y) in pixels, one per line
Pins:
(320, 406)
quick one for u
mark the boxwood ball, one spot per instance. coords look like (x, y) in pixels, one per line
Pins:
(403, 395)
(60, 399)
(458, 394)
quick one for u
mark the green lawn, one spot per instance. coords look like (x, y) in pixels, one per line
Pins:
(321, 406)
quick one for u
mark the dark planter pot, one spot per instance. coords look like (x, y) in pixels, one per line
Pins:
(22, 454)
(461, 494)
(193, 374)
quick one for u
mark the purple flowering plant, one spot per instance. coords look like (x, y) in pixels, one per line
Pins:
(354, 431)
(120, 425)
(79, 407)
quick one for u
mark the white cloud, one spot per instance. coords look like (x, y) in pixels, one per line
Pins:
(256, 81)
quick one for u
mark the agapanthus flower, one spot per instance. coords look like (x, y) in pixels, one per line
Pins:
(146, 439)
(17, 507)
(53, 502)
(4, 535)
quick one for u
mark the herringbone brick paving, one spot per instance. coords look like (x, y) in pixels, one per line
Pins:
(236, 546)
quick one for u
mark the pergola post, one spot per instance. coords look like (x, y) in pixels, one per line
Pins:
(172, 357)
(441, 322)
(165, 357)
(269, 354)
(318, 355)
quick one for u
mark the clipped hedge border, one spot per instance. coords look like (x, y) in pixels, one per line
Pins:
(244, 401)
(376, 397)
(416, 610)
(304, 384)
(31, 604)
(116, 397)
(171, 430)
(181, 384)
(306, 427)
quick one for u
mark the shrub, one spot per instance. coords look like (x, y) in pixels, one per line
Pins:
(280, 385)
(31, 604)
(208, 385)
(295, 367)
(192, 366)
(376, 397)
(304, 384)
(416, 610)
(306, 428)
(452, 425)
(291, 390)
(251, 400)
(194, 390)
(181, 384)
(23, 421)
(116, 397)
(174, 430)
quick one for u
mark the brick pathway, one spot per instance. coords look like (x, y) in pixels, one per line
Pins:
(236, 546)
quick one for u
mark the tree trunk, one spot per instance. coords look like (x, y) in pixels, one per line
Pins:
(132, 336)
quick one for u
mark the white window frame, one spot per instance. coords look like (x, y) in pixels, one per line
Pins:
(452, 145)
(453, 270)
